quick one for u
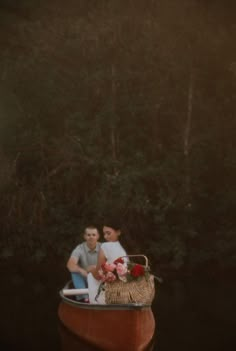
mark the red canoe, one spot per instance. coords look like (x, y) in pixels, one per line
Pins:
(111, 327)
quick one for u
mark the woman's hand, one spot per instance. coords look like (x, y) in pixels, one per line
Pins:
(94, 272)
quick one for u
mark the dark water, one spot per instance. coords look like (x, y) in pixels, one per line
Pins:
(190, 314)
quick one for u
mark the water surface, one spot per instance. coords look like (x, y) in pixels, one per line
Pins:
(191, 314)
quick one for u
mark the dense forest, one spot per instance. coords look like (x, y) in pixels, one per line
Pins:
(119, 107)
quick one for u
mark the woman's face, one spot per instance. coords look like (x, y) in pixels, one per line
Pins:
(111, 234)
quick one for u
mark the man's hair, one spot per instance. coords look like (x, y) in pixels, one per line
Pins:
(91, 226)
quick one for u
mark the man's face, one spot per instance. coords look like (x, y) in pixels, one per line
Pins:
(91, 235)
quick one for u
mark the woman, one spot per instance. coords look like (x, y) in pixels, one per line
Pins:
(109, 252)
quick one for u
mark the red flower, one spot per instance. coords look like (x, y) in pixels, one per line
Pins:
(119, 260)
(137, 270)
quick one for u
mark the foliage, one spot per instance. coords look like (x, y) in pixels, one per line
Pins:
(97, 117)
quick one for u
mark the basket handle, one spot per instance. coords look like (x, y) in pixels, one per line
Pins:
(145, 258)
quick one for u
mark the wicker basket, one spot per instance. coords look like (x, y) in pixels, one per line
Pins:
(141, 290)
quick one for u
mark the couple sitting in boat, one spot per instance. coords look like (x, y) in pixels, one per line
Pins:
(87, 259)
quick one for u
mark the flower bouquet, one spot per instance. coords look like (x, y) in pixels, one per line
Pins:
(127, 282)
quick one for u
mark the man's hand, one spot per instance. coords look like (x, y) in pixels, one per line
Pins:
(83, 272)
(90, 268)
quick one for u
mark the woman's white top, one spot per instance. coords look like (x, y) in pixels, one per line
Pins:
(113, 250)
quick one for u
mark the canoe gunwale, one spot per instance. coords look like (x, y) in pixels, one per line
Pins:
(88, 306)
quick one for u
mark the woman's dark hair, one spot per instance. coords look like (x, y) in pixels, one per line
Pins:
(112, 222)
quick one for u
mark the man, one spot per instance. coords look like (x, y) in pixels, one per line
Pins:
(83, 259)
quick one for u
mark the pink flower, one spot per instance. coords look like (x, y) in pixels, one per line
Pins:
(109, 267)
(121, 269)
(110, 277)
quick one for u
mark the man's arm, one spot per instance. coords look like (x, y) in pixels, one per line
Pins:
(74, 267)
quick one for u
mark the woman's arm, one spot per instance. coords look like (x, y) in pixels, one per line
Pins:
(101, 259)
